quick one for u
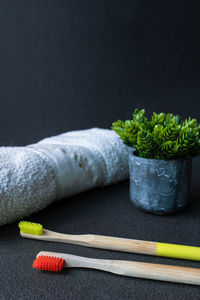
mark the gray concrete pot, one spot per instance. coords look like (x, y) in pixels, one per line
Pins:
(159, 186)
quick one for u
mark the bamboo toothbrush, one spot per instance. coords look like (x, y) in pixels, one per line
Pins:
(51, 261)
(36, 231)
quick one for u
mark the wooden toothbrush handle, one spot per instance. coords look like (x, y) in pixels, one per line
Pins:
(122, 244)
(143, 247)
(156, 272)
(97, 241)
(114, 243)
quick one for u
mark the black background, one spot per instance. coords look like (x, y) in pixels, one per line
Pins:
(68, 65)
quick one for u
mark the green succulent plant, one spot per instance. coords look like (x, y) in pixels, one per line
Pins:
(165, 136)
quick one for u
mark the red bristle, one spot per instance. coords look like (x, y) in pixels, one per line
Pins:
(49, 263)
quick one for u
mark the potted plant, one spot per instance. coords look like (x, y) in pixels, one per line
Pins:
(161, 162)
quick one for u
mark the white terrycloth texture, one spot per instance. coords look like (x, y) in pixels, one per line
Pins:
(27, 183)
(32, 177)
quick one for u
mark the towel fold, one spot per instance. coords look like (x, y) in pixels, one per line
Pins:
(34, 176)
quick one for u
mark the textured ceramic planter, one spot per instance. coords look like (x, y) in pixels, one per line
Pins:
(159, 186)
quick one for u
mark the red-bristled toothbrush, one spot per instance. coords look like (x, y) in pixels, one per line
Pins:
(52, 261)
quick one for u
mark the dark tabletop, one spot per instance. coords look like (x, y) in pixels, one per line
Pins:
(105, 211)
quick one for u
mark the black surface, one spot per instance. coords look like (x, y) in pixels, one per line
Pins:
(68, 65)
(106, 211)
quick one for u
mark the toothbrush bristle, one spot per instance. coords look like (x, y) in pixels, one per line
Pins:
(31, 228)
(48, 263)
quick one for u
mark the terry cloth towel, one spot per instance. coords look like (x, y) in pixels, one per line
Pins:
(34, 176)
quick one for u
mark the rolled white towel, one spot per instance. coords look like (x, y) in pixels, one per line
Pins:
(34, 176)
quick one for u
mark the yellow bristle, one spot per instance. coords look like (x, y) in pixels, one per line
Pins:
(31, 228)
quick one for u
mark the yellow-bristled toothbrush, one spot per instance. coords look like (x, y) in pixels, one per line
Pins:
(54, 262)
(36, 231)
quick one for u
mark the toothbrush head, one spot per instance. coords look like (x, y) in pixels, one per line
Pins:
(31, 228)
(49, 263)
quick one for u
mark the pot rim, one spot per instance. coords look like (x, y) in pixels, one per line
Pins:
(132, 154)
